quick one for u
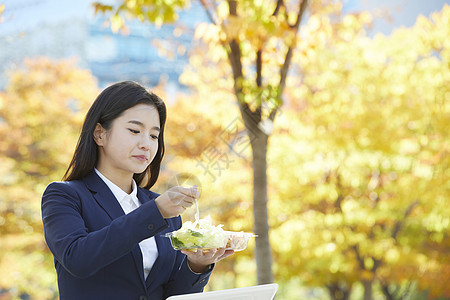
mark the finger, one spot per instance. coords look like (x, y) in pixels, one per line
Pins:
(228, 253)
(225, 255)
(211, 253)
(182, 203)
(219, 252)
(179, 193)
(180, 199)
(186, 202)
(188, 252)
(195, 192)
(191, 192)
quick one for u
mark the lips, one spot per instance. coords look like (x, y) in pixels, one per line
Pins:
(141, 157)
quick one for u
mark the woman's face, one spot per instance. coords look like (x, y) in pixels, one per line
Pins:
(131, 143)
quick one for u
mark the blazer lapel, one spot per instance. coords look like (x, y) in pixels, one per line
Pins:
(161, 244)
(137, 256)
(106, 199)
(159, 263)
(103, 195)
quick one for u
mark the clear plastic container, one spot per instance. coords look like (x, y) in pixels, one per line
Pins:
(238, 241)
(233, 240)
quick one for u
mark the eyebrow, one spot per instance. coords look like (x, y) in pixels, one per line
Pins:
(139, 123)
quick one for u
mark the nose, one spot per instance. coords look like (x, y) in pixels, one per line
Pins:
(145, 142)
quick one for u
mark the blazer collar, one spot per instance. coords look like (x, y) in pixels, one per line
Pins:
(103, 195)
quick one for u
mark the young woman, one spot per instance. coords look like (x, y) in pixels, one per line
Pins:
(103, 225)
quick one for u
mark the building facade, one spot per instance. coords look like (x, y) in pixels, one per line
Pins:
(69, 29)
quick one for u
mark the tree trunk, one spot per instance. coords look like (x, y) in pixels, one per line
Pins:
(262, 249)
(338, 292)
(367, 289)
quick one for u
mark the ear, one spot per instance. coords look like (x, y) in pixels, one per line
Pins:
(99, 134)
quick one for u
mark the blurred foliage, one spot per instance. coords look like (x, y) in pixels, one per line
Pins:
(158, 12)
(358, 161)
(368, 125)
(41, 111)
(373, 146)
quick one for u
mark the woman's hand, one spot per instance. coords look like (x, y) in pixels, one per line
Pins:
(175, 201)
(200, 260)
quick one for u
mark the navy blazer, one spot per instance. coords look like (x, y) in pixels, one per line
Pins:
(95, 245)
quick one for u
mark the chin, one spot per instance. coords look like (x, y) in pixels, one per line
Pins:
(140, 170)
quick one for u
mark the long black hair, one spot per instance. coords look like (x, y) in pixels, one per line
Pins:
(109, 105)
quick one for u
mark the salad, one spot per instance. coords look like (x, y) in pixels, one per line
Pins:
(203, 234)
(199, 234)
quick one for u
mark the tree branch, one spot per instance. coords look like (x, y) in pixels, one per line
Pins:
(251, 119)
(284, 70)
(340, 196)
(208, 13)
(399, 224)
(358, 257)
(301, 10)
(234, 55)
(259, 68)
(386, 292)
(258, 111)
(280, 3)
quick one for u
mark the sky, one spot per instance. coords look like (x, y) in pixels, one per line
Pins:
(395, 12)
(23, 15)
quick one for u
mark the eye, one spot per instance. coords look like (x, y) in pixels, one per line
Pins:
(133, 131)
(154, 137)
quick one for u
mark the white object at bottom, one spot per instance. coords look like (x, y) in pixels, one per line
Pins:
(257, 292)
